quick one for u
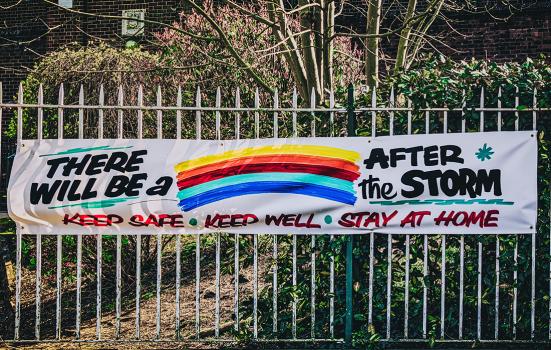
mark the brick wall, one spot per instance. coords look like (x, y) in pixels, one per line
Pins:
(524, 35)
(26, 21)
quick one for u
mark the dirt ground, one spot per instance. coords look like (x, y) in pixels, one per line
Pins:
(147, 305)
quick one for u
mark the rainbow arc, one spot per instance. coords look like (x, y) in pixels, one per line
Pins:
(310, 170)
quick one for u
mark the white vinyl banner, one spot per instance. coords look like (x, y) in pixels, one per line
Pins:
(474, 183)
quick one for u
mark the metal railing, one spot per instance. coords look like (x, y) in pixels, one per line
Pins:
(340, 294)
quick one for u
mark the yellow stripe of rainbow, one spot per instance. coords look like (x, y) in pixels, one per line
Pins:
(311, 150)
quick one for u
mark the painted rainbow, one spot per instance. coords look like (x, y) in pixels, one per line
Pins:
(311, 170)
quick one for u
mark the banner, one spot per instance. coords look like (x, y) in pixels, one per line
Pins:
(474, 183)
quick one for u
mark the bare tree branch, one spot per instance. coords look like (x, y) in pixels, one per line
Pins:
(232, 50)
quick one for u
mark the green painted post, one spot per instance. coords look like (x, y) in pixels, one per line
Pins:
(351, 128)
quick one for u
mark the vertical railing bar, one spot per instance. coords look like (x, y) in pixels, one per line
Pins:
(256, 114)
(479, 279)
(533, 260)
(38, 293)
(496, 330)
(313, 288)
(17, 285)
(331, 114)
(409, 116)
(118, 282)
(294, 114)
(217, 114)
(462, 237)
(236, 249)
(237, 114)
(445, 127)
(197, 285)
(425, 248)
(313, 115)
(101, 100)
(1, 111)
(294, 281)
(138, 284)
(198, 114)
(515, 252)
(217, 289)
(99, 261)
(79, 286)
(331, 293)
(18, 234)
(120, 115)
(388, 284)
(178, 276)
(159, 234)
(218, 103)
(516, 108)
(479, 294)
(425, 290)
(158, 288)
(392, 104)
(550, 265)
(515, 291)
(159, 114)
(461, 281)
(40, 112)
(443, 289)
(481, 128)
(19, 115)
(179, 114)
(427, 117)
(198, 236)
(534, 107)
(60, 101)
(276, 106)
(313, 242)
(463, 107)
(406, 289)
(499, 118)
(38, 285)
(274, 286)
(59, 242)
(137, 320)
(236, 282)
(79, 237)
(255, 286)
(370, 281)
(58, 287)
(373, 113)
(81, 113)
(389, 236)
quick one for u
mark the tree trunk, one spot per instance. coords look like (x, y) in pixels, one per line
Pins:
(308, 49)
(319, 35)
(290, 48)
(328, 45)
(404, 43)
(372, 42)
(436, 7)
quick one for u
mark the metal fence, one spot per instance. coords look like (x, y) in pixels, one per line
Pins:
(266, 288)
